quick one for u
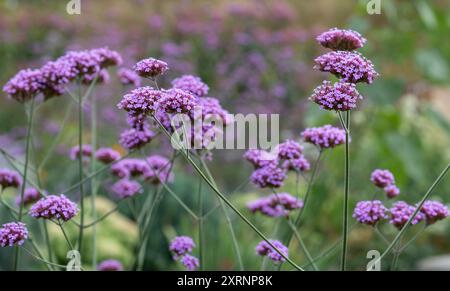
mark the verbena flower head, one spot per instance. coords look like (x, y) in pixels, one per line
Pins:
(341, 39)
(324, 137)
(86, 152)
(53, 207)
(177, 101)
(275, 205)
(190, 262)
(264, 249)
(141, 100)
(382, 178)
(132, 138)
(150, 68)
(107, 155)
(191, 84)
(56, 75)
(209, 109)
(126, 188)
(297, 165)
(106, 57)
(128, 77)
(101, 77)
(270, 176)
(339, 96)
(129, 168)
(260, 158)
(159, 170)
(289, 149)
(434, 211)
(31, 195)
(13, 234)
(9, 178)
(181, 245)
(391, 191)
(401, 212)
(110, 265)
(370, 212)
(25, 85)
(352, 67)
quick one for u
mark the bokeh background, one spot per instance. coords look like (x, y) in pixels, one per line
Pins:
(256, 56)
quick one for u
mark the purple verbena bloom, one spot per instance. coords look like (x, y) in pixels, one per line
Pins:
(150, 68)
(181, 245)
(264, 249)
(13, 234)
(56, 75)
(352, 67)
(53, 207)
(190, 262)
(106, 57)
(9, 178)
(324, 137)
(127, 168)
(110, 265)
(339, 96)
(270, 176)
(401, 212)
(100, 77)
(370, 212)
(434, 211)
(31, 195)
(126, 188)
(191, 84)
(289, 149)
(260, 158)
(159, 170)
(128, 77)
(382, 178)
(86, 152)
(141, 100)
(341, 39)
(275, 205)
(107, 155)
(25, 85)
(297, 165)
(210, 110)
(177, 101)
(391, 191)
(133, 138)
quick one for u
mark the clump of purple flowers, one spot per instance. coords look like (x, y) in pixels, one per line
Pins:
(434, 211)
(382, 178)
(177, 101)
(128, 77)
(260, 158)
(270, 176)
(150, 68)
(324, 137)
(401, 212)
(30, 196)
(9, 178)
(276, 205)
(129, 168)
(339, 96)
(110, 265)
(341, 39)
(141, 100)
(289, 150)
(107, 155)
(264, 249)
(391, 191)
(125, 188)
(191, 84)
(190, 262)
(132, 138)
(13, 234)
(300, 164)
(55, 208)
(370, 212)
(181, 247)
(159, 170)
(86, 152)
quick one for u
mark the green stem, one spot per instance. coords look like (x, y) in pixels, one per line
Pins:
(65, 236)
(36, 249)
(346, 194)
(94, 186)
(200, 225)
(303, 246)
(80, 167)
(175, 196)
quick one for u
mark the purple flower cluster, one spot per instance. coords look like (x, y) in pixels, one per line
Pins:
(127, 168)
(270, 176)
(53, 207)
(141, 100)
(31, 195)
(181, 247)
(150, 68)
(86, 152)
(324, 137)
(341, 39)
(401, 212)
(434, 211)
(264, 249)
(128, 77)
(276, 205)
(132, 138)
(260, 158)
(109, 266)
(13, 234)
(125, 188)
(289, 150)
(300, 164)
(339, 96)
(158, 170)
(370, 212)
(191, 84)
(190, 262)
(351, 67)
(9, 178)
(391, 191)
(177, 101)
(107, 155)
(382, 178)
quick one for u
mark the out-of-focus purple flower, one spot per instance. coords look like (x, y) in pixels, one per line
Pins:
(401, 212)
(181, 245)
(191, 84)
(107, 155)
(260, 158)
(31, 195)
(289, 149)
(86, 152)
(158, 171)
(56, 75)
(129, 168)
(106, 57)
(391, 191)
(382, 178)
(434, 211)
(339, 96)
(177, 101)
(276, 205)
(128, 77)
(134, 139)
(150, 68)
(270, 176)
(190, 262)
(25, 85)
(110, 265)
(352, 67)
(53, 207)
(10, 178)
(341, 39)
(370, 212)
(324, 137)
(126, 188)
(264, 249)
(13, 234)
(101, 77)
(210, 110)
(141, 100)
(297, 165)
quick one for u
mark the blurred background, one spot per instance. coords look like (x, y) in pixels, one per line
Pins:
(256, 56)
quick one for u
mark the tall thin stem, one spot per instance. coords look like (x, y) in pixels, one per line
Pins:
(94, 186)
(346, 194)
(200, 225)
(80, 166)
(303, 246)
